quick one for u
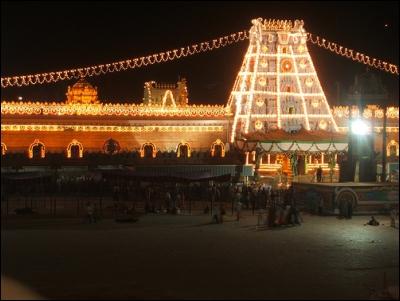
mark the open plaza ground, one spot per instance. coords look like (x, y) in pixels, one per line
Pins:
(166, 256)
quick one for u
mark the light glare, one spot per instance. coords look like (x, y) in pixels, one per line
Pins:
(359, 127)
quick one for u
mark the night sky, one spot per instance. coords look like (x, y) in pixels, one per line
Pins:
(52, 36)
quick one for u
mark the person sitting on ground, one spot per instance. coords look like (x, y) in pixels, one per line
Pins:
(373, 222)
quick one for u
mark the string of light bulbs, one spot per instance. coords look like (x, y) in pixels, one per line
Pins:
(170, 55)
(352, 54)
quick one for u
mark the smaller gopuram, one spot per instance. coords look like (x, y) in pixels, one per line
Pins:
(166, 94)
(82, 93)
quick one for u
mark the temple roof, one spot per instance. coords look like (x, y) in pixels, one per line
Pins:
(301, 135)
(81, 84)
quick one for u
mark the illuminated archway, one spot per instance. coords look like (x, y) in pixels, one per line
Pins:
(180, 149)
(218, 143)
(74, 142)
(35, 144)
(143, 148)
(3, 149)
(391, 144)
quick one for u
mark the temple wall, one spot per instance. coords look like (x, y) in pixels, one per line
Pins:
(58, 142)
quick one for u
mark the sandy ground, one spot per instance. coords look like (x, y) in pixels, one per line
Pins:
(186, 257)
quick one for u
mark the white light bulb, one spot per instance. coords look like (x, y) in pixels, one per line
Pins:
(359, 127)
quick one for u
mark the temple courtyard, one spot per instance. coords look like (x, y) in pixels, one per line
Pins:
(177, 257)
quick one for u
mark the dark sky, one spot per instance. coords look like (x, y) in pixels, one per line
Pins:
(51, 36)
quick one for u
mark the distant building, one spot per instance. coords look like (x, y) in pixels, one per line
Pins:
(164, 128)
(82, 93)
(166, 94)
(367, 89)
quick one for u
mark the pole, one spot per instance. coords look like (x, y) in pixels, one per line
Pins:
(384, 158)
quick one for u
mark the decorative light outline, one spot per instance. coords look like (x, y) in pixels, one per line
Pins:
(303, 101)
(392, 143)
(214, 144)
(178, 149)
(3, 148)
(35, 143)
(75, 142)
(152, 145)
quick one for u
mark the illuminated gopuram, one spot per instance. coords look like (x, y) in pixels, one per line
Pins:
(277, 86)
(276, 93)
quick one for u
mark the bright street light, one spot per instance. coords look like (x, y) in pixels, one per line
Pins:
(359, 127)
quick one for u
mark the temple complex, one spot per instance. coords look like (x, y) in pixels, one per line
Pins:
(85, 121)
(83, 125)
(277, 120)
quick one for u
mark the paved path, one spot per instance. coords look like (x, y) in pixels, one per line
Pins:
(186, 257)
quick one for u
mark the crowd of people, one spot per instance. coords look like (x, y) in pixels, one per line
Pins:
(213, 198)
(279, 205)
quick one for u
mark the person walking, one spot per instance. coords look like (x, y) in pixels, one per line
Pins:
(216, 214)
(320, 206)
(95, 213)
(221, 212)
(168, 201)
(349, 210)
(238, 197)
(271, 210)
(238, 210)
(253, 201)
(319, 174)
(89, 212)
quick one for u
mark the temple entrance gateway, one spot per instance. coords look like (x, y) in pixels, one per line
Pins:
(290, 155)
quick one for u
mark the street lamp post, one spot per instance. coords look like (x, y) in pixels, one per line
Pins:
(383, 176)
(359, 131)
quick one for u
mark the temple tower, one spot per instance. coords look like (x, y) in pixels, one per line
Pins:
(277, 86)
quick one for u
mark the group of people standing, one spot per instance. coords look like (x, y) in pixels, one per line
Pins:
(280, 206)
(283, 211)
